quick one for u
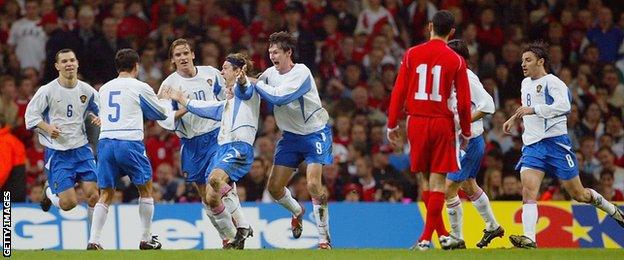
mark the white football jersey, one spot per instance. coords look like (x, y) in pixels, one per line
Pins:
(550, 98)
(480, 100)
(208, 85)
(125, 102)
(64, 107)
(297, 106)
(239, 115)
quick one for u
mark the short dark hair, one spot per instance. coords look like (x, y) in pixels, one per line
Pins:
(283, 40)
(460, 47)
(540, 49)
(66, 50)
(443, 21)
(126, 60)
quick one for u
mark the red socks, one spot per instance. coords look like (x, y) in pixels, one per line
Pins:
(434, 215)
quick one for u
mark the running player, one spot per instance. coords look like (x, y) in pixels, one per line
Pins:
(58, 110)
(471, 156)
(121, 150)
(290, 87)
(547, 147)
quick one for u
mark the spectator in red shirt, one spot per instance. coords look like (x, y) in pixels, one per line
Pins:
(24, 94)
(489, 35)
(364, 176)
(161, 147)
(606, 187)
(134, 26)
(35, 161)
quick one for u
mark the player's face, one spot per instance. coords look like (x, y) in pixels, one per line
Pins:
(183, 57)
(67, 65)
(228, 72)
(279, 57)
(531, 65)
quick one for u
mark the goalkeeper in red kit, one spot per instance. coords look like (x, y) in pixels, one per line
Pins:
(430, 75)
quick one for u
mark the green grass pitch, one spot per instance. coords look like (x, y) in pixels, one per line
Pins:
(355, 254)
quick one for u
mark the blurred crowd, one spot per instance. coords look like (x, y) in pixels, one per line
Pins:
(354, 49)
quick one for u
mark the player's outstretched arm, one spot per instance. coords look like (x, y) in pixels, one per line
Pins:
(297, 85)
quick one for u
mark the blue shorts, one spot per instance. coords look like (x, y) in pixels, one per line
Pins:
(196, 154)
(553, 155)
(233, 158)
(65, 168)
(316, 147)
(470, 160)
(117, 158)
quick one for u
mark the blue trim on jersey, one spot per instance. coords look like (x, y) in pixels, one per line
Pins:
(283, 100)
(210, 112)
(92, 106)
(216, 87)
(149, 111)
(242, 126)
(174, 105)
(305, 120)
(116, 130)
(245, 94)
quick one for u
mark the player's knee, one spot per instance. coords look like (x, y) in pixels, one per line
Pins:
(68, 204)
(215, 183)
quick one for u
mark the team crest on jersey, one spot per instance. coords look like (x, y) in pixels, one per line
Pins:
(539, 88)
(83, 99)
(209, 82)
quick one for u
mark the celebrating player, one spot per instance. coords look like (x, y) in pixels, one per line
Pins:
(58, 110)
(198, 135)
(121, 150)
(547, 147)
(482, 104)
(426, 78)
(239, 123)
(299, 113)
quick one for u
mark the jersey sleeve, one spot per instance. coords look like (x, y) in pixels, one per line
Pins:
(170, 105)
(94, 102)
(206, 108)
(244, 92)
(152, 108)
(219, 86)
(557, 101)
(483, 101)
(462, 88)
(37, 108)
(399, 92)
(295, 86)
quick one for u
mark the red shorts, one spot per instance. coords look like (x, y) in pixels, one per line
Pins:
(434, 146)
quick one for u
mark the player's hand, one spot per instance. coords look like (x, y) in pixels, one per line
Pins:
(163, 93)
(54, 131)
(508, 125)
(176, 95)
(253, 80)
(523, 111)
(95, 120)
(463, 142)
(241, 78)
(393, 135)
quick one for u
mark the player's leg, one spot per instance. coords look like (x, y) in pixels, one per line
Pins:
(531, 180)
(319, 202)
(217, 182)
(100, 213)
(422, 179)
(92, 193)
(590, 196)
(434, 207)
(481, 202)
(455, 213)
(278, 179)
(233, 205)
(146, 214)
(202, 191)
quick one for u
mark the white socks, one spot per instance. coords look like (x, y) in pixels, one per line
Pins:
(232, 204)
(600, 202)
(53, 197)
(529, 219)
(456, 216)
(213, 221)
(290, 203)
(482, 203)
(99, 218)
(321, 216)
(146, 213)
(223, 219)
